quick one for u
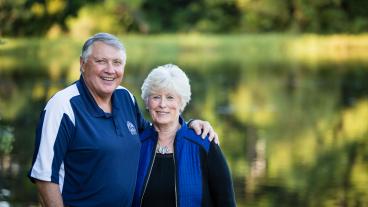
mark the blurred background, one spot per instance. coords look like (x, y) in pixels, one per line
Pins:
(284, 83)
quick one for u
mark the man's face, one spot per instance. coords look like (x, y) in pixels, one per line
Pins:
(103, 71)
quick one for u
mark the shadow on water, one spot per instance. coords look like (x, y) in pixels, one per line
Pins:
(354, 85)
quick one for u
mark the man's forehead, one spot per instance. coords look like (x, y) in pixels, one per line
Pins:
(103, 50)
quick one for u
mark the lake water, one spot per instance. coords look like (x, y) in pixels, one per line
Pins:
(293, 127)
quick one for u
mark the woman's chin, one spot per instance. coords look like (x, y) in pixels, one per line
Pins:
(163, 122)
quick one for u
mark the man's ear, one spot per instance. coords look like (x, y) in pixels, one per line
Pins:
(81, 63)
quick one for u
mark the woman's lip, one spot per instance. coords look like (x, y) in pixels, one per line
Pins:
(162, 112)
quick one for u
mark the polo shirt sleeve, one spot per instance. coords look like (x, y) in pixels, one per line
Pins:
(53, 134)
(142, 123)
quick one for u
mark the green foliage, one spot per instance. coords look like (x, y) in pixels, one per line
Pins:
(6, 140)
(265, 15)
(33, 17)
(13, 14)
(117, 17)
(92, 19)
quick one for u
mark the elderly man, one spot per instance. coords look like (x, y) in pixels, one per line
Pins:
(87, 141)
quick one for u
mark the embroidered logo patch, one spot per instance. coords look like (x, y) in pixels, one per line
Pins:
(131, 128)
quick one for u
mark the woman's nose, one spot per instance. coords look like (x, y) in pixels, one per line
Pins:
(162, 102)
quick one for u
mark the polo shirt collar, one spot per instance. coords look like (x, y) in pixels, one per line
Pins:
(90, 102)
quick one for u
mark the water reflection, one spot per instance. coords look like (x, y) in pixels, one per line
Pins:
(294, 133)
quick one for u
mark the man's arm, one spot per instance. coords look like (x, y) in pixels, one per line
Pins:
(142, 123)
(50, 194)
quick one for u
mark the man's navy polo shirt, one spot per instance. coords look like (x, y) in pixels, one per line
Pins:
(92, 155)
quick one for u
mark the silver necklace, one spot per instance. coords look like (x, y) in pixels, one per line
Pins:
(165, 149)
(162, 149)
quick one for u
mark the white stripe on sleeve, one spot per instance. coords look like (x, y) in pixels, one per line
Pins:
(57, 106)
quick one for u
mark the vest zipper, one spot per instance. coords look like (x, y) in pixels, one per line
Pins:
(149, 175)
(176, 192)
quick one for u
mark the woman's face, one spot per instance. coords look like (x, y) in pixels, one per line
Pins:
(164, 108)
(103, 70)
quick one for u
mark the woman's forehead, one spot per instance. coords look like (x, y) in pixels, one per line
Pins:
(169, 91)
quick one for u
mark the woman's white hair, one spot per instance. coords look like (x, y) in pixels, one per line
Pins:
(167, 77)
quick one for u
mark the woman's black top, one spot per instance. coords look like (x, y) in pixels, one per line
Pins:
(217, 190)
(160, 189)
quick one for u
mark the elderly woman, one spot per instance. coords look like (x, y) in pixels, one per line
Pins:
(177, 167)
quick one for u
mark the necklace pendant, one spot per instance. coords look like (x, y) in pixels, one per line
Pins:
(162, 150)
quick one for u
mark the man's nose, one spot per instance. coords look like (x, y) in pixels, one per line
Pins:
(110, 67)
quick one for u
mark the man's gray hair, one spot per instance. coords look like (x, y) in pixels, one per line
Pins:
(170, 78)
(105, 38)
